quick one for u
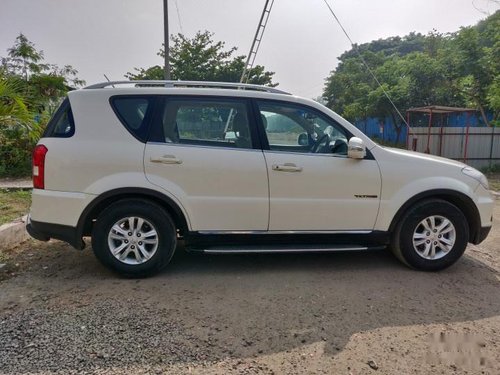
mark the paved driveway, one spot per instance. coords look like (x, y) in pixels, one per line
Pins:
(62, 312)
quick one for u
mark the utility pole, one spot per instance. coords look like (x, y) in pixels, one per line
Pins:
(167, 37)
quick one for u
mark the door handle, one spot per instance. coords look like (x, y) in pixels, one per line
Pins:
(287, 167)
(166, 159)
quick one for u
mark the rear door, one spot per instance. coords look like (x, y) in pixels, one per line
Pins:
(205, 152)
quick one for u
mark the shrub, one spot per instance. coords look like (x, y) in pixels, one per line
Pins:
(15, 152)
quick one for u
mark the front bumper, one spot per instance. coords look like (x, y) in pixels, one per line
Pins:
(481, 235)
(45, 231)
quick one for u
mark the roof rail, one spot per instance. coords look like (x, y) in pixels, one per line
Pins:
(199, 84)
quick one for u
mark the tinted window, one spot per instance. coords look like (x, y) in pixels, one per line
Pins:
(295, 128)
(208, 122)
(133, 113)
(61, 125)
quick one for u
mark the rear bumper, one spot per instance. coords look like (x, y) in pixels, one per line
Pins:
(45, 231)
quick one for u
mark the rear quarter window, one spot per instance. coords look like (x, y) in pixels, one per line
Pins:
(134, 113)
(62, 124)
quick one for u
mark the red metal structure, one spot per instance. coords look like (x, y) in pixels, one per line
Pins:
(441, 112)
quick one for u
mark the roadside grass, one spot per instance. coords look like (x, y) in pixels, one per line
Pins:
(14, 204)
(494, 180)
(3, 257)
(493, 175)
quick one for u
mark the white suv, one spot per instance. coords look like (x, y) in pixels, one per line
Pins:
(231, 168)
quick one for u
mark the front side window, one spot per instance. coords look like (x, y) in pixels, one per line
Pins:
(206, 122)
(295, 128)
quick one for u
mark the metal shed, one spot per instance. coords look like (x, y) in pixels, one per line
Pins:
(479, 147)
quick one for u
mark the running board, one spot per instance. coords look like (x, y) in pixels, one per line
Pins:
(284, 249)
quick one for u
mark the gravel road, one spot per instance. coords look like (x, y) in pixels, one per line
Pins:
(61, 312)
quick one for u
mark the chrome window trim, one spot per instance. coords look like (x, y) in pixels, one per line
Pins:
(306, 153)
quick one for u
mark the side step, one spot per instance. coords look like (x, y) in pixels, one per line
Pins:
(284, 249)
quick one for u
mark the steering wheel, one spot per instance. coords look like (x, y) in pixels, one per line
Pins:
(339, 147)
(325, 138)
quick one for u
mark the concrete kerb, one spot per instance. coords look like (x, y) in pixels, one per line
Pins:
(13, 234)
(9, 184)
(15, 188)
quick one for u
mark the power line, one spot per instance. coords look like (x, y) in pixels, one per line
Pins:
(486, 12)
(355, 47)
(178, 16)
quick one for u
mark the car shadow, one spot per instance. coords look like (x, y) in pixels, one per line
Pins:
(282, 301)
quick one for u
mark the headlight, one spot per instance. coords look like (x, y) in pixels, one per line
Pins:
(476, 175)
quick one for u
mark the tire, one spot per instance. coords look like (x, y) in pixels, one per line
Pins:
(123, 225)
(414, 238)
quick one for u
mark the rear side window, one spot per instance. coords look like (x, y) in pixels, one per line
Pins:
(62, 124)
(216, 122)
(134, 113)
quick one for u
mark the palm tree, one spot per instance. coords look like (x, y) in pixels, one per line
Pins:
(14, 110)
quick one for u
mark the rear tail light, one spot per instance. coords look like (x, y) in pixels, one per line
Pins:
(39, 166)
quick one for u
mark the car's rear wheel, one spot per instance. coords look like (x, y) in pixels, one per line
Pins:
(134, 237)
(431, 236)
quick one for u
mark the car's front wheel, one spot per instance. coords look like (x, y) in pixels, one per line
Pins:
(134, 237)
(431, 235)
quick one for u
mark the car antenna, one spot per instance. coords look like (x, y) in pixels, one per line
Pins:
(107, 79)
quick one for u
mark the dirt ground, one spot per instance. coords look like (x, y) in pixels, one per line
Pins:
(342, 313)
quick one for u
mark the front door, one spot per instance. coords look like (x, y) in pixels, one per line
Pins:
(201, 151)
(313, 185)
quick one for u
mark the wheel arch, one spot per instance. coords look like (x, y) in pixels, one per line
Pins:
(94, 209)
(460, 200)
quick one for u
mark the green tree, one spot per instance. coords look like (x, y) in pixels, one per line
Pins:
(458, 69)
(395, 45)
(14, 110)
(353, 92)
(493, 98)
(44, 84)
(472, 75)
(347, 88)
(201, 58)
(23, 58)
(18, 129)
(477, 63)
(30, 89)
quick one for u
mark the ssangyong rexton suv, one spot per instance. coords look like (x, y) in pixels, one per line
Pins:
(232, 168)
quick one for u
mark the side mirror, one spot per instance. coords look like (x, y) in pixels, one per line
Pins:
(303, 139)
(356, 148)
